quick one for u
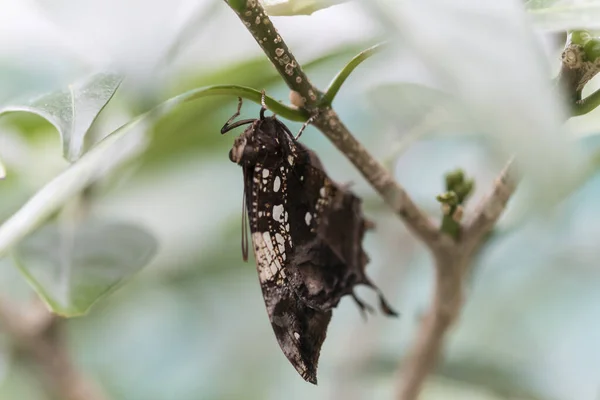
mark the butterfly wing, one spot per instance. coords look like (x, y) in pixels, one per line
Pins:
(299, 329)
(332, 262)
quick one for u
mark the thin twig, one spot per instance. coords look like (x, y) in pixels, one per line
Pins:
(37, 333)
(452, 264)
(260, 26)
(491, 208)
(443, 312)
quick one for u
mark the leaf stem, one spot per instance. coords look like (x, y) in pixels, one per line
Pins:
(586, 105)
(287, 112)
(341, 76)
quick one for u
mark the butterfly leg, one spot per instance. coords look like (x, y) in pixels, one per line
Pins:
(383, 304)
(229, 125)
(308, 122)
(364, 307)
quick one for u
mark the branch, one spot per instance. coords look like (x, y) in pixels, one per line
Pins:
(443, 312)
(327, 121)
(451, 266)
(37, 333)
(253, 15)
(452, 253)
(580, 63)
(491, 208)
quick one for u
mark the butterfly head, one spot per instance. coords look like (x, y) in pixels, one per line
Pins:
(259, 140)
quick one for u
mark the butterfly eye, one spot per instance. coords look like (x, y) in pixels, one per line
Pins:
(237, 151)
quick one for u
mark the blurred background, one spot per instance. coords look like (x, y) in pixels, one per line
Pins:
(192, 323)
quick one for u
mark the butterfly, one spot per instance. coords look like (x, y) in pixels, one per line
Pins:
(306, 232)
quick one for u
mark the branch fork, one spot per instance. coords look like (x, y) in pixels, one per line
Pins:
(452, 246)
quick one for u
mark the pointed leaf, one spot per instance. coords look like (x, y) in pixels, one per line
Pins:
(72, 110)
(72, 268)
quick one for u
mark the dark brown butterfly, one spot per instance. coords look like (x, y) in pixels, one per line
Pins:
(307, 234)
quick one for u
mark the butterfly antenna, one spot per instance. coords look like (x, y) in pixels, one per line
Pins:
(308, 122)
(229, 125)
(244, 228)
(263, 104)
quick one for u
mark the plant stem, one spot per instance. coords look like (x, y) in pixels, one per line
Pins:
(38, 335)
(586, 105)
(259, 24)
(452, 256)
(328, 122)
(443, 312)
(293, 114)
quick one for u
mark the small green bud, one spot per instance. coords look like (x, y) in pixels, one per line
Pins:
(464, 190)
(449, 198)
(592, 49)
(454, 178)
(580, 37)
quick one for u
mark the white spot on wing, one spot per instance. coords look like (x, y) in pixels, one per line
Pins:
(290, 160)
(322, 191)
(264, 256)
(276, 184)
(265, 173)
(277, 212)
(280, 243)
(297, 335)
(267, 240)
(279, 238)
(307, 218)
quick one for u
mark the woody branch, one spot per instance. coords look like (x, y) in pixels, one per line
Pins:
(37, 334)
(453, 245)
(328, 122)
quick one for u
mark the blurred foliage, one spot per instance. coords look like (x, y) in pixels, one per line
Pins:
(192, 324)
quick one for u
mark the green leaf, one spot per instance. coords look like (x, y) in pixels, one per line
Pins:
(297, 7)
(73, 267)
(560, 15)
(73, 110)
(103, 158)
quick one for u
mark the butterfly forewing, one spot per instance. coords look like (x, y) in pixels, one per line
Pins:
(299, 329)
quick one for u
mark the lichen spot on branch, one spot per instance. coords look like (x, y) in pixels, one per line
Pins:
(297, 99)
